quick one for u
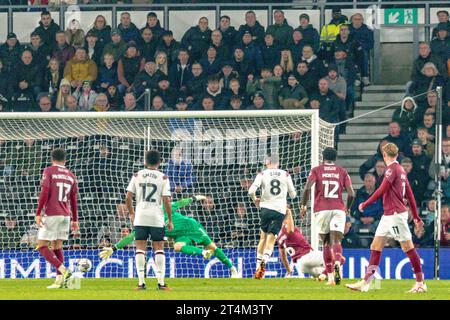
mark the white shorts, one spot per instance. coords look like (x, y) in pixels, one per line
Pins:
(311, 263)
(330, 220)
(54, 228)
(394, 226)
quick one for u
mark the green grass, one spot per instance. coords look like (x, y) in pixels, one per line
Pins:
(217, 289)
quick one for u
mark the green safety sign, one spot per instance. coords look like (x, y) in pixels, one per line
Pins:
(400, 16)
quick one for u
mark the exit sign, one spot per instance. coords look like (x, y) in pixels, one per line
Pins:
(400, 16)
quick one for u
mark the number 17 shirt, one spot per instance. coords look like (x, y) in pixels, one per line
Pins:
(330, 180)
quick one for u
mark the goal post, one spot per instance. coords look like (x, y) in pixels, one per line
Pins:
(217, 154)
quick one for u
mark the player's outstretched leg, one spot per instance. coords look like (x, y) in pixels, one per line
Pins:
(419, 286)
(218, 253)
(50, 256)
(336, 239)
(260, 265)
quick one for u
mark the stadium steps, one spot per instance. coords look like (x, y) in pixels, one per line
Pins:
(363, 135)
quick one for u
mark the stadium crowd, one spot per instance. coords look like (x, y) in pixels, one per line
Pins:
(225, 68)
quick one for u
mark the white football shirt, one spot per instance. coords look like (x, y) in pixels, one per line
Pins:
(275, 184)
(149, 186)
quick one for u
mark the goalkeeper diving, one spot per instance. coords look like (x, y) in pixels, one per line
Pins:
(187, 233)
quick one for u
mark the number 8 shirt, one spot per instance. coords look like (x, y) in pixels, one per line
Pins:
(149, 186)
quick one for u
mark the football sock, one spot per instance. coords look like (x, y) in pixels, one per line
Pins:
(328, 259)
(259, 258)
(160, 261)
(415, 263)
(140, 265)
(191, 250)
(59, 253)
(125, 241)
(267, 254)
(218, 253)
(337, 253)
(51, 258)
(374, 261)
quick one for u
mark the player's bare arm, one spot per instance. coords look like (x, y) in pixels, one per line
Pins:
(305, 197)
(168, 205)
(285, 261)
(374, 197)
(289, 221)
(350, 197)
(418, 223)
(129, 204)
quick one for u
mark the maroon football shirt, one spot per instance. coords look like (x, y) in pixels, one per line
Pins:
(294, 242)
(393, 197)
(61, 186)
(330, 181)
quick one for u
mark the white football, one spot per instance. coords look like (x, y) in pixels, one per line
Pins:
(84, 265)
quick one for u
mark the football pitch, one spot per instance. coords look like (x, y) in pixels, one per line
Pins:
(217, 289)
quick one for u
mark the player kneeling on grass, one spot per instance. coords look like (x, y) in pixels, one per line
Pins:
(151, 188)
(394, 222)
(275, 184)
(58, 188)
(186, 232)
(292, 242)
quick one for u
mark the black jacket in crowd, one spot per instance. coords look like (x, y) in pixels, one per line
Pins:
(332, 109)
(257, 32)
(10, 56)
(157, 31)
(48, 34)
(196, 41)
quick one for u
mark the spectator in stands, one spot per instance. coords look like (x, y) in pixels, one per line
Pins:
(253, 26)
(236, 103)
(62, 50)
(252, 51)
(364, 35)
(196, 85)
(207, 103)
(102, 30)
(211, 64)
(197, 39)
(443, 18)
(296, 46)
(371, 215)
(429, 106)
(128, 29)
(223, 50)
(229, 35)
(440, 45)
(417, 183)
(405, 116)
(280, 29)
(71, 104)
(227, 74)
(80, 68)
(40, 51)
(348, 70)
(420, 160)
(428, 122)
(396, 136)
(429, 79)
(427, 146)
(242, 66)
(10, 234)
(236, 90)
(180, 72)
(180, 172)
(47, 29)
(214, 91)
(74, 33)
(369, 164)
(378, 172)
(101, 104)
(270, 52)
(293, 96)
(27, 77)
(162, 64)
(444, 171)
(147, 78)
(330, 31)
(128, 67)
(268, 84)
(6, 90)
(306, 78)
(331, 109)
(336, 83)
(45, 104)
(10, 52)
(159, 105)
(130, 103)
(310, 35)
(107, 73)
(93, 49)
(258, 102)
(445, 226)
(169, 46)
(63, 93)
(315, 65)
(349, 44)
(154, 26)
(241, 226)
(117, 46)
(85, 96)
(53, 75)
(147, 44)
(286, 61)
(166, 92)
(425, 55)
(114, 100)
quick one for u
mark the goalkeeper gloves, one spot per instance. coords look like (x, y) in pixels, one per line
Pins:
(107, 252)
(199, 198)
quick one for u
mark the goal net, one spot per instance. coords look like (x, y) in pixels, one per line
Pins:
(216, 154)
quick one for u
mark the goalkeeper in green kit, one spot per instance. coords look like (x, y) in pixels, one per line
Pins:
(187, 233)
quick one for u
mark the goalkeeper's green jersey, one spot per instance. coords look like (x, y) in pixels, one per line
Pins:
(181, 224)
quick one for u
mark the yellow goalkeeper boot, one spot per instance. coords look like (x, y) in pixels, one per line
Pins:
(65, 278)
